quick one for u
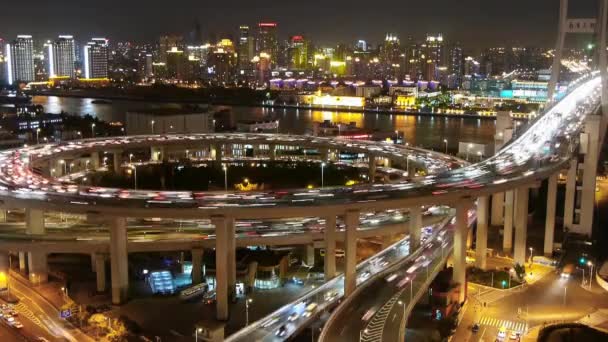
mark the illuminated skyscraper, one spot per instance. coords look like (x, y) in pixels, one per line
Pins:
(60, 56)
(20, 59)
(267, 42)
(96, 58)
(298, 53)
(246, 50)
(166, 43)
(455, 66)
(434, 56)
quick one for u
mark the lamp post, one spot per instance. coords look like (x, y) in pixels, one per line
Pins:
(469, 150)
(565, 293)
(322, 175)
(445, 141)
(479, 155)
(152, 125)
(531, 253)
(93, 130)
(37, 136)
(134, 168)
(590, 264)
(71, 166)
(225, 168)
(249, 300)
(196, 331)
(130, 158)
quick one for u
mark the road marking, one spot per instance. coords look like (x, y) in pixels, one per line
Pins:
(510, 325)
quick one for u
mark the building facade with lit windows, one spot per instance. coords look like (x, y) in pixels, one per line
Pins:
(20, 60)
(267, 42)
(60, 56)
(96, 59)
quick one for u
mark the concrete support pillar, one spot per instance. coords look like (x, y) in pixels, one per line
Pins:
(221, 265)
(330, 247)
(350, 276)
(372, 168)
(507, 235)
(550, 220)
(591, 150)
(22, 262)
(34, 222)
(94, 161)
(231, 257)
(119, 262)
(38, 267)
(460, 248)
(570, 193)
(310, 255)
(117, 162)
(4, 264)
(197, 266)
(498, 209)
(481, 240)
(415, 227)
(521, 225)
(100, 270)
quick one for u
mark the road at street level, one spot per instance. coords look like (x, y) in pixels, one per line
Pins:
(43, 315)
(542, 302)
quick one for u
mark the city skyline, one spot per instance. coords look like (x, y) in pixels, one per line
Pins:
(117, 21)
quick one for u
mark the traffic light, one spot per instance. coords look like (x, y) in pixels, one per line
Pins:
(504, 283)
(582, 260)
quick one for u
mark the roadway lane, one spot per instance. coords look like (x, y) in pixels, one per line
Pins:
(44, 315)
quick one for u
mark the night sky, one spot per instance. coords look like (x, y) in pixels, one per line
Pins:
(475, 23)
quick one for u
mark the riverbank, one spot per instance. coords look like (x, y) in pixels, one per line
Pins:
(235, 103)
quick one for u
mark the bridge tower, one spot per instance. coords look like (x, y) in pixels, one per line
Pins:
(580, 184)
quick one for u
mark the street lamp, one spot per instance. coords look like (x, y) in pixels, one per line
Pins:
(225, 168)
(590, 264)
(134, 168)
(249, 300)
(322, 176)
(93, 130)
(37, 134)
(469, 150)
(71, 166)
(196, 332)
(531, 253)
(130, 158)
(445, 141)
(152, 125)
(479, 155)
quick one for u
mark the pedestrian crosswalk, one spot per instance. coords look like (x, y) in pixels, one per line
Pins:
(509, 325)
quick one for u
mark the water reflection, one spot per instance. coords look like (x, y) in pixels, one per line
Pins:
(421, 130)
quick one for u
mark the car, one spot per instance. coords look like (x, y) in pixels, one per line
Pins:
(514, 335)
(17, 325)
(294, 316)
(310, 309)
(281, 331)
(502, 333)
(475, 328)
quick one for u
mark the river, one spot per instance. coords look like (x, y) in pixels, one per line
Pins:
(420, 130)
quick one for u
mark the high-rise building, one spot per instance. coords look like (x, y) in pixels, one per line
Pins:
(267, 42)
(60, 56)
(168, 42)
(434, 56)
(361, 45)
(96, 58)
(223, 61)
(20, 59)
(455, 66)
(2, 62)
(176, 63)
(298, 53)
(246, 50)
